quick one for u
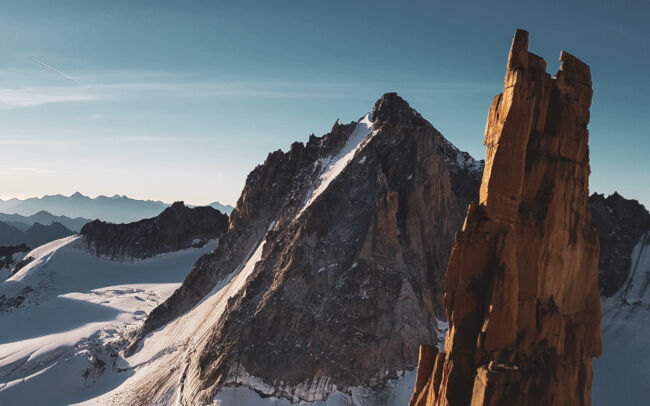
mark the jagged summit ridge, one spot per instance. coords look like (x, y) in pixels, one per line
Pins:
(329, 168)
(177, 227)
(521, 289)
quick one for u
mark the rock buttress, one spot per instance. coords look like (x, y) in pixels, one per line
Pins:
(521, 290)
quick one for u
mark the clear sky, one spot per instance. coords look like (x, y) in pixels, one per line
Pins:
(179, 100)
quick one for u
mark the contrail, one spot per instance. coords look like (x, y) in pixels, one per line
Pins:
(52, 68)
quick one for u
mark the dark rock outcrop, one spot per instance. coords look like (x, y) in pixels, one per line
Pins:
(620, 223)
(521, 288)
(10, 303)
(356, 228)
(7, 254)
(177, 227)
(22, 263)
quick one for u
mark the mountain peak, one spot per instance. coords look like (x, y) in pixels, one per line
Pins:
(300, 255)
(391, 105)
(177, 205)
(77, 195)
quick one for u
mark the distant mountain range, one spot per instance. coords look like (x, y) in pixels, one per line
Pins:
(114, 209)
(24, 222)
(37, 234)
(224, 208)
(34, 224)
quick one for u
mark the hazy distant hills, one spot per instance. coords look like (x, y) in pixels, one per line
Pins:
(224, 208)
(37, 234)
(36, 221)
(114, 209)
(37, 229)
(43, 217)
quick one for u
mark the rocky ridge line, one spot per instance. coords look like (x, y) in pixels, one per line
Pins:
(175, 228)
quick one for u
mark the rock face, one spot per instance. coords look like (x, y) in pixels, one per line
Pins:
(10, 256)
(521, 290)
(622, 373)
(331, 272)
(176, 228)
(620, 223)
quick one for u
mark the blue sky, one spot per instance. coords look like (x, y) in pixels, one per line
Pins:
(180, 100)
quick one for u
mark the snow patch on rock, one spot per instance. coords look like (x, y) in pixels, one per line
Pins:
(331, 167)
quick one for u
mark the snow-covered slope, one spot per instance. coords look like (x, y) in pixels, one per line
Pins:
(166, 349)
(622, 373)
(65, 315)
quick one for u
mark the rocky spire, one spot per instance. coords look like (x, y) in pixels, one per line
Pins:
(521, 290)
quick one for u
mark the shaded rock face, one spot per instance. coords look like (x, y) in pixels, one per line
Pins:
(9, 258)
(7, 254)
(622, 373)
(620, 223)
(353, 231)
(521, 290)
(177, 227)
